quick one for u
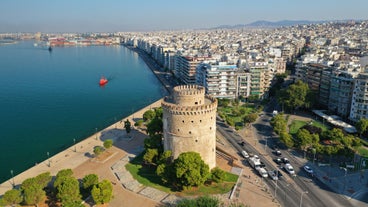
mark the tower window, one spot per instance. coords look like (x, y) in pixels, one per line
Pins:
(196, 103)
(200, 121)
(190, 132)
(210, 128)
(192, 121)
(183, 121)
(178, 130)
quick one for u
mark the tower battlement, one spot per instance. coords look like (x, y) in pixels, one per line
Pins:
(189, 123)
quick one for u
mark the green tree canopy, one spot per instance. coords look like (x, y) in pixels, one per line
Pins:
(150, 156)
(279, 123)
(98, 150)
(362, 126)
(295, 95)
(148, 115)
(218, 175)
(43, 179)
(89, 181)
(287, 139)
(190, 169)
(108, 143)
(250, 118)
(68, 191)
(61, 175)
(33, 195)
(11, 198)
(102, 192)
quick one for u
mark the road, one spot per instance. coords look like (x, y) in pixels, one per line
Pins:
(291, 191)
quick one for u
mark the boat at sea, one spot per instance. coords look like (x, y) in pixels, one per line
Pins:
(103, 81)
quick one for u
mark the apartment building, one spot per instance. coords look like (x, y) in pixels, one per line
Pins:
(185, 67)
(219, 79)
(341, 92)
(359, 102)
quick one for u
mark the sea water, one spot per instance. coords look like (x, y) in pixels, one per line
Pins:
(48, 99)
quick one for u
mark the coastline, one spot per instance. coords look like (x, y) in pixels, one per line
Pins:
(74, 155)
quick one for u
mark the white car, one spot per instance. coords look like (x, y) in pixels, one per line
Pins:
(308, 169)
(289, 169)
(272, 175)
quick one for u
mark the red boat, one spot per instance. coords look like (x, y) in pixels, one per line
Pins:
(103, 81)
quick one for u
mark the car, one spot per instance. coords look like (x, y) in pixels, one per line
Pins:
(277, 152)
(242, 143)
(278, 160)
(285, 160)
(273, 175)
(289, 169)
(308, 169)
(245, 154)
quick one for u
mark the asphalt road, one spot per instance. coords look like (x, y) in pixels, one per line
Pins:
(291, 191)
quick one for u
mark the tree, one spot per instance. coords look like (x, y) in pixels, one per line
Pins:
(43, 179)
(150, 156)
(89, 181)
(203, 201)
(108, 143)
(165, 157)
(362, 126)
(127, 126)
(250, 118)
(155, 126)
(190, 169)
(33, 195)
(218, 175)
(98, 150)
(148, 115)
(294, 96)
(68, 192)
(304, 138)
(61, 175)
(279, 123)
(287, 139)
(12, 197)
(102, 192)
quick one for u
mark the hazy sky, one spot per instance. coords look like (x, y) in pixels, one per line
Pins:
(147, 15)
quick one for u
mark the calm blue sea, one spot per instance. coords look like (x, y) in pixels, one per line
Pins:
(47, 99)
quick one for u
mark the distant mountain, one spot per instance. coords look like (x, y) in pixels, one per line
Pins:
(264, 24)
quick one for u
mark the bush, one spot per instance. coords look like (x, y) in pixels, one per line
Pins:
(98, 150)
(138, 123)
(218, 175)
(108, 143)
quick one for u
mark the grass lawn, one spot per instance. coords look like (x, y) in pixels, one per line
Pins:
(297, 124)
(363, 151)
(148, 177)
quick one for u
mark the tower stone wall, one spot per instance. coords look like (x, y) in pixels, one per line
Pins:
(189, 123)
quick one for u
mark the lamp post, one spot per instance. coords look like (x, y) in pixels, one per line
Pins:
(75, 147)
(11, 172)
(301, 198)
(96, 132)
(346, 170)
(48, 158)
(265, 144)
(277, 176)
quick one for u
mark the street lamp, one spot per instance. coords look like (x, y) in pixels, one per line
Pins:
(48, 158)
(75, 147)
(301, 198)
(265, 144)
(96, 132)
(346, 170)
(277, 176)
(11, 172)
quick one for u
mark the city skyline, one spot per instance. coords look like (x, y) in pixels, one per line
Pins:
(141, 15)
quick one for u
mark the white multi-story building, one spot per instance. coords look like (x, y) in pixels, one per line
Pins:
(359, 104)
(219, 80)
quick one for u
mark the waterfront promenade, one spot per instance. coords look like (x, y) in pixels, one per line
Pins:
(75, 155)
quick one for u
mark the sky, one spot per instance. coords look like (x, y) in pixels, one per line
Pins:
(153, 15)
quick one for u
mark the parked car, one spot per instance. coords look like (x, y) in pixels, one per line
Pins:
(278, 160)
(278, 152)
(285, 160)
(308, 169)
